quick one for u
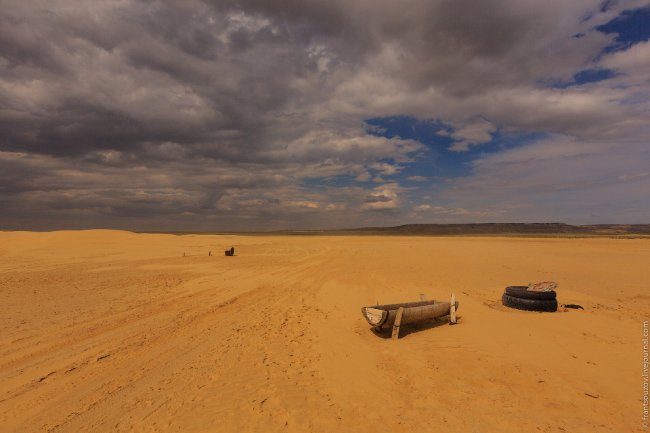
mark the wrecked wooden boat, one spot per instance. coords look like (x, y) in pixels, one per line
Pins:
(395, 315)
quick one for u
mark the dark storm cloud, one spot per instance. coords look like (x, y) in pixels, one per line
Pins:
(162, 84)
(112, 110)
(186, 73)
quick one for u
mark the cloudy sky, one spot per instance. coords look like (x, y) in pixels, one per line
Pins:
(307, 114)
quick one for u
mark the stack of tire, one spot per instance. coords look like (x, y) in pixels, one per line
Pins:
(521, 298)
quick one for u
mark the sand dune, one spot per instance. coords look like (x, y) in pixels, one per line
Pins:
(107, 331)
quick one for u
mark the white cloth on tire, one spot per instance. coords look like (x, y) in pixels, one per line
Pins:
(544, 286)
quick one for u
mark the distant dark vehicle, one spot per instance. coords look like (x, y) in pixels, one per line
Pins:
(230, 252)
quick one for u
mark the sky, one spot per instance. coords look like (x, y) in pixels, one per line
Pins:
(319, 114)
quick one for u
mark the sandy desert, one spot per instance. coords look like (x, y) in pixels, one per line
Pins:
(110, 331)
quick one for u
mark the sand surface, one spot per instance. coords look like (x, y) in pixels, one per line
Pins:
(108, 331)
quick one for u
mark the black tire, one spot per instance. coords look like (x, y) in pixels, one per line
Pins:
(529, 304)
(522, 292)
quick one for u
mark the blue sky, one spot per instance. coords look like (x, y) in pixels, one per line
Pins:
(630, 27)
(247, 115)
(437, 162)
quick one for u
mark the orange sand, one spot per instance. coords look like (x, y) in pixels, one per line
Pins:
(108, 331)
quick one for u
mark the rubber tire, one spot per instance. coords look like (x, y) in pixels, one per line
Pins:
(521, 292)
(529, 304)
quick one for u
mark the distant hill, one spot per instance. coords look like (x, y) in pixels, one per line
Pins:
(498, 229)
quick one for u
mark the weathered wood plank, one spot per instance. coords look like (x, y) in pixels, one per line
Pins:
(398, 322)
(452, 309)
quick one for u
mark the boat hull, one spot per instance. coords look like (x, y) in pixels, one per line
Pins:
(384, 315)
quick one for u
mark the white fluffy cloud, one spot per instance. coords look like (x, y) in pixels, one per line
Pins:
(383, 197)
